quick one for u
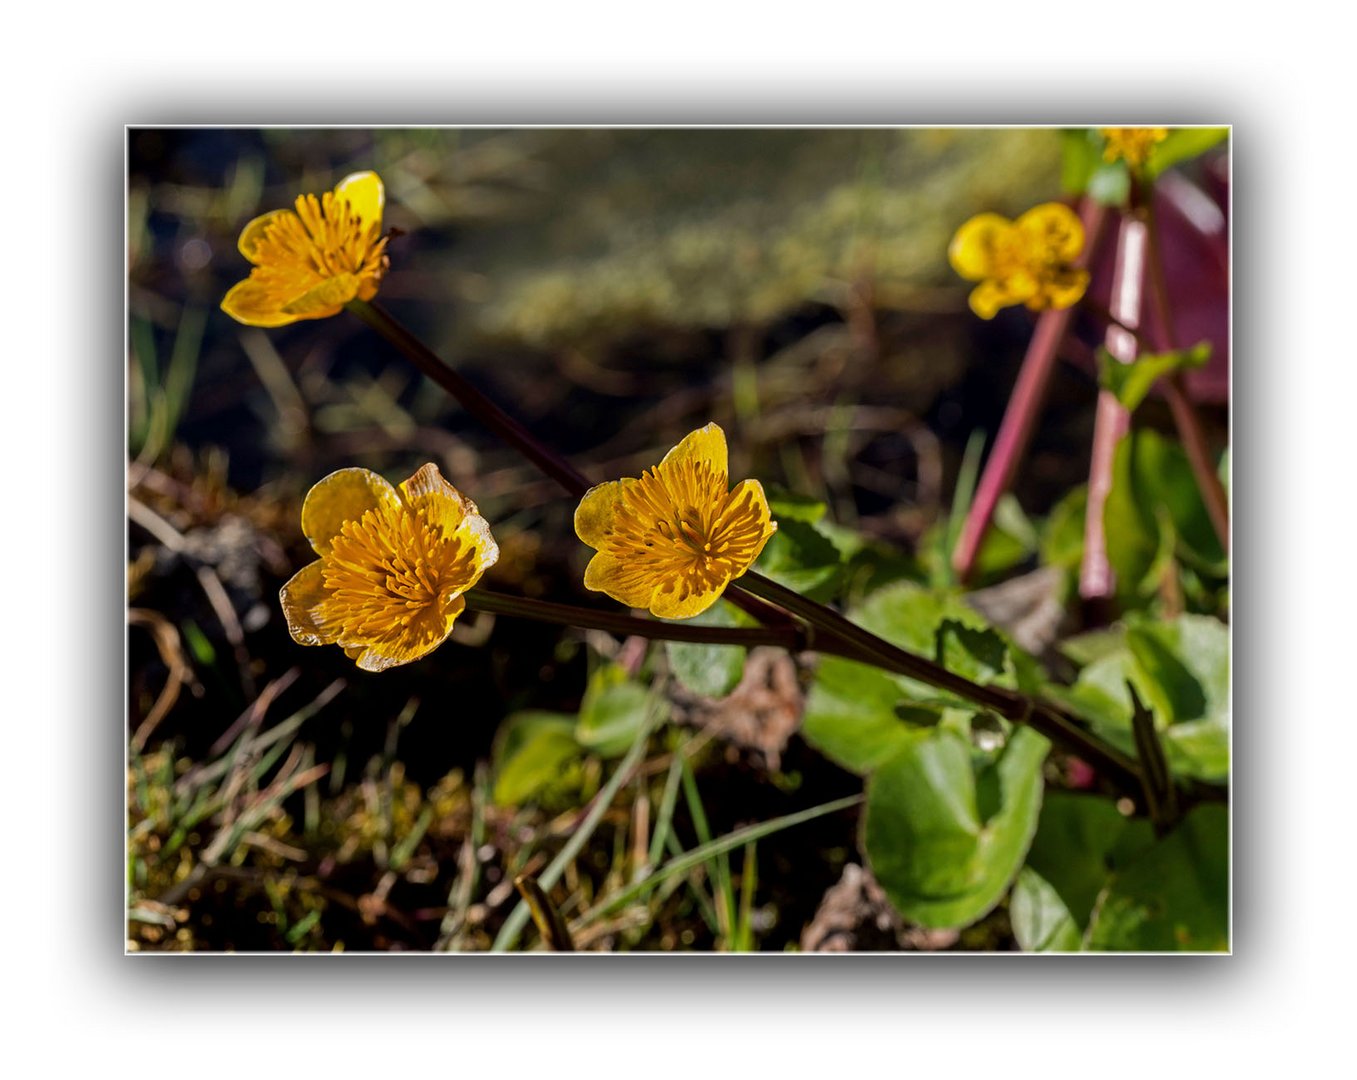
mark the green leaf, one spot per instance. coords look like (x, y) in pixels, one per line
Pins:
(1081, 151)
(612, 712)
(1183, 144)
(1041, 922)
(1154, 502)
(944, 840)
(1062, 539)
(1130, 383)
(853, 715)
(789, 506)
(801, 558)
(1110, 183)
(1079, 841)
(1175, 895)
(1181, 669)
(858, 716)
(1186, 663)
(532, 751)
(710, 670)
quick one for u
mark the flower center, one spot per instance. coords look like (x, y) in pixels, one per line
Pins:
(679, 522)
(390, 572)
(324, 239)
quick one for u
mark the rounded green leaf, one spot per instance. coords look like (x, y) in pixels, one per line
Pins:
(1041, 922)
(1175, 895)
(943, 840)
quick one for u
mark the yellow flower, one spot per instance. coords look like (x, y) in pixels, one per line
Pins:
(392, 569)
(1132, 145)
(673, 540)
(1029, 261)
(309, 264)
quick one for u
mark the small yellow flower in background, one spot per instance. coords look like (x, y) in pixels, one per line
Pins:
(673, 540)
(392, 569)
(309, 264)
(1131, 145)
(1029, 261)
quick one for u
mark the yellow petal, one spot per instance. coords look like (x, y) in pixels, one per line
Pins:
(670, 602)
(625, 582)
(326, 299)
(365, 195)
(300, 597)
(763, 516)
(428, 493)
(427, 490)
(705, 444)
(254, 232)
(988, 297)
(251, 304)
(342, 496)
(1054, 230)
(1066, 289)
(595, 513)
(420, 638)
(971, 252)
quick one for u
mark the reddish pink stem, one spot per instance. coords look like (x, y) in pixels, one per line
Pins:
(1015, 432)
(1096, 579)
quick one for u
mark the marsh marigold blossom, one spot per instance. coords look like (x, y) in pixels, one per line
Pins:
(309, 263)
(1132, 145)
(672, 540)
(1028, 261)
(394, 563)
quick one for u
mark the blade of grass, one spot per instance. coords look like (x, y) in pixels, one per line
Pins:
(665, 816)
(719, 869)
(699, 855)
(513, 925)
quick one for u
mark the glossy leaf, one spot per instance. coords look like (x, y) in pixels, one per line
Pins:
(853, 715)
(1131, 383)
(945, 840)
(1183, 144)
(1041, 922)
(1175, 895)
(612, 712)
(1078, 843)
(710, 670)
(1181, 670)
(531, 752)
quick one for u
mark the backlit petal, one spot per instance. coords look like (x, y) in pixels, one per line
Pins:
(671, 601)
(365, 194)
(596, 511)
(415, 642)
(326, 299)
(252, 304)
(761, 519)
(972, 251)
(342, 496)
(624, 580)
(430, 495)
(254, 232)
(705, 444)
(300, 598)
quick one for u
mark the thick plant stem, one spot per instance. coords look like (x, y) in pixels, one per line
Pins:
(1024, 405)
(502, 424)
(789, 636)
(833, 633)
(1175, 391)
(471, 399)
(1112, 421)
